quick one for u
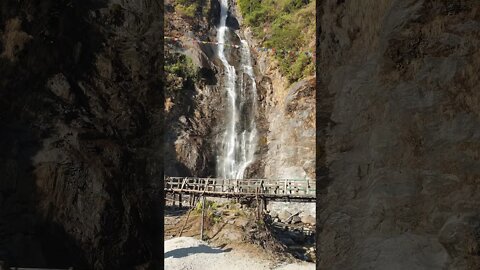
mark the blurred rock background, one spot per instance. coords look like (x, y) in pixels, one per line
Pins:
(398, 125)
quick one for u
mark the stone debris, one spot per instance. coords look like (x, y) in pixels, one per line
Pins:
(187, 253)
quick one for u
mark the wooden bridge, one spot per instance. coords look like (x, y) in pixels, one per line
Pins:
(272, 189)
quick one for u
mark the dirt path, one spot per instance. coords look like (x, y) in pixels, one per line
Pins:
(187, 253)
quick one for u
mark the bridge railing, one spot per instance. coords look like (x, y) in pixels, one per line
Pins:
(299, 187)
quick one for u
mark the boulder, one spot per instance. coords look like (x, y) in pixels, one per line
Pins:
(295, 220)
(308, 220)
(59, 85)
(284, 215)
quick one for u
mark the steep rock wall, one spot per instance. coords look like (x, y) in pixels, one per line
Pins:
(286, 119)
(398, 123)
(194, 107)
(80, 114)
(285, 116)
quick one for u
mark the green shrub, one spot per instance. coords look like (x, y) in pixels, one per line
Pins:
(293, 5)
(188, 10)
(296, 71)
(288, 25)
(181, 66)
(180, 74)
(209, 206)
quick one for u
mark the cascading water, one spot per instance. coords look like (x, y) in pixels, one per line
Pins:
(240, 137)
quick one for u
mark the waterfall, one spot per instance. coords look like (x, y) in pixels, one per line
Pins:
(240, 137)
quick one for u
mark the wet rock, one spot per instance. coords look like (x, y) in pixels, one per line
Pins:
(287, 240)
(298, 237)
(278, 224)
(232, 23)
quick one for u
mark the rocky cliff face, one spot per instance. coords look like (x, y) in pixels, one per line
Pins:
(194, 103)
(196, 108)
(80, 112)
(398, 122)
(286, 119)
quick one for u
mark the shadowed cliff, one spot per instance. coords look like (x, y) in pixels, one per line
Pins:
(80, 112)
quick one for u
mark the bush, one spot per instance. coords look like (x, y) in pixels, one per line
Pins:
(188, 10)
(209, 206)
(180, 74)
(299, 68)
(288, 25)
(181, 66)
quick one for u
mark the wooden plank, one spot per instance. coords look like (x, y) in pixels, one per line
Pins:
(239, 193)
(203, 217)
(242, 187)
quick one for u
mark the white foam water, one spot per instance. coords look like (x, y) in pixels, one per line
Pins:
(240, 138)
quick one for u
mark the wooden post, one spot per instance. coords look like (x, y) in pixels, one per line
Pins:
(185, 223)
(180, 200)
(256, 199)
(203, 217)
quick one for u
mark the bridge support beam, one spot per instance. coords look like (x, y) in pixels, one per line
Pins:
(203, 217)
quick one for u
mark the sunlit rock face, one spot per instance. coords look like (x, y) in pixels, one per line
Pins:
(282, 143)
(398, 124)
(291, 136)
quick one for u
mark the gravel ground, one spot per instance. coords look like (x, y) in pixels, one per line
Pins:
(186, 253)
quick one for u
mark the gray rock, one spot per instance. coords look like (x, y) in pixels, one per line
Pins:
(397, 145)
(284, 215)
(182, 119)
(308, 220)
(295, 220)
(59, 85)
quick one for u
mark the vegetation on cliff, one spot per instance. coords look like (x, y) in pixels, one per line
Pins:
(285, 25)
(179, 66)
(191, 8)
